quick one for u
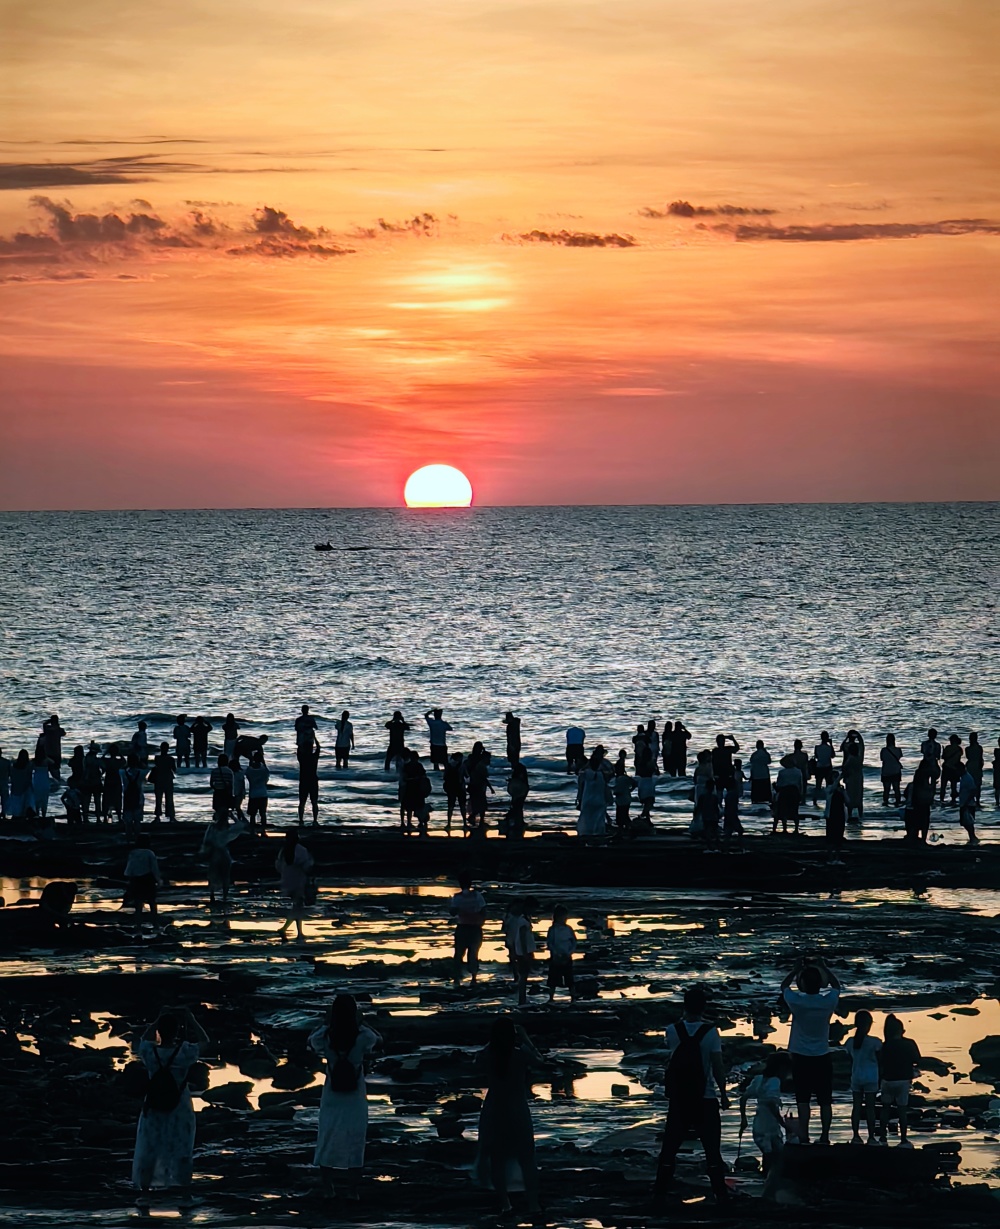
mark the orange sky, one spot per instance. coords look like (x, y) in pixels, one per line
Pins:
(259, 255)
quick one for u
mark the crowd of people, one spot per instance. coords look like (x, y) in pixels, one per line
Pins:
(113, 781)
(696, 1083)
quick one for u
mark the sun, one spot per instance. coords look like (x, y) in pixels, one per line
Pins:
(438, 486)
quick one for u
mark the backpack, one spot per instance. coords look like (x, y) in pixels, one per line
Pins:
(163, 1093)
(343, 1075)
(684, 1082)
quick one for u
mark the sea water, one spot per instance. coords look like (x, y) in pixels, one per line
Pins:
(769, 622)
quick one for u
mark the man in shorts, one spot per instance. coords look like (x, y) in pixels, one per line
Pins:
(812, 1005)
(823, 770)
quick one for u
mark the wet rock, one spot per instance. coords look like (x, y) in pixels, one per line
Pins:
(232, 1095)
(257, 1062)
(449, 1127)
(986, 1054)
(620, 1090)
(291, 1076)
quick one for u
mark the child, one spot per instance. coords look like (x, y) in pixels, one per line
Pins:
(768, 1128)
(72, 800)
(900, 1059)
(731, 825)
(865, 1052)
(561, 942)
(521, 946)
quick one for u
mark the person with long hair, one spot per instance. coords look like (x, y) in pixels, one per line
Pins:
(865, 1051)
(164, 1140)
(344, 1042)
(19, 802)
(293, 866)
(505, 1160)
(41, 782)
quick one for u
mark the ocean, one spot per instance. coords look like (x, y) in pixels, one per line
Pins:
(769, 622)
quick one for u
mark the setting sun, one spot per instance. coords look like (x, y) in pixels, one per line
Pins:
(438, 486)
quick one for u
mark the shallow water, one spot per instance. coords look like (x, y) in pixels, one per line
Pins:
(770, 622)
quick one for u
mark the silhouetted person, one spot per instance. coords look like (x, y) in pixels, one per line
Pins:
(622, 786)
(257, 778)
(92, 781)
(640, 745)
(230, 733)
(182, 742)
(164, 1142)
(996, 775)
(667, 749)
(513, 727)
(837, 809)
(50, 741)
(561, 944)
(5, 769)
(293, 866)
(789, 791)
(952, 768)
(506, 1146)
(74, 764)
(900, 1062)
(305, 727)
(468, 908)
(696, 1089)
(678, 748)
(823, 771)
(219, 835)
(517, 787)
(344, 742)
(479, 786)
(853, 776)
(725, 748)
(591, 797)
(892, 770)
(974, 764)
(397, 728)
(140, 745)
(308, 757)
(437, 732)
(921, 799)
(576, 758)
(200, 730)
(133, 797)
(708, 813)
(344, 1042)
(760, 774)
(812, 1006)
(221, 783)
(162, 776)
(967, 794)
(41, 783)
(455, 791)
(853, 744)
(930, 748)
(800, 759)
(111, 800)
(142, 872)
(653, 741)
(239, 785)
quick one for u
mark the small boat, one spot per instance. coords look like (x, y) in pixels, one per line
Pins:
(323, 546)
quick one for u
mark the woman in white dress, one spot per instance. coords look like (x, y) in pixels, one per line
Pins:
(293, 866)
(343, 1110)
(41, 783)
(219, 835)
(591, 797)
(164, 1141)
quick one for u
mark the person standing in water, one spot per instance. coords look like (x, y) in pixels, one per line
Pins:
(293, 865)
(622, 786)
(725, 748)
(308, 757)
(760, 774)
(892, 770)
(142, 870)
(561, 944)
(853, 776)
(455, 792)
(824, 772)
(344, 743)
(967, 792)
(653, 742)
(200, 730)
(91, 783)
(344, 1042)
(591, 797)
(50, 741)
(437, 731)
(479, 784)
(679, 748)
(140, 745)
(133, 797)
(575, 758)
(230, 734)
(182, 742)
(952, 768)
(257, 778)
(468, 908)
(513, 727)
(221, 784)
(162, 776)
(974, 758)
(397, 728)
(305, 727)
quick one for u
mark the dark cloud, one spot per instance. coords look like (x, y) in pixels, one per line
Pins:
(684, 209)
(574, 239)
(128, 169)
(420, 224)
(848, 232)
(90, 238)
(50, 275)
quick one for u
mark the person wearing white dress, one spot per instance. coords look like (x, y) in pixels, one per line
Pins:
(344, 1042)
(219, 835)
(164, 1140)
(591, 797)
(293, 866)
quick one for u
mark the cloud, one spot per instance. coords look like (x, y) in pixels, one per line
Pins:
(848, 232)
(573, 239)
(50, 275)
(128, 169)
(65, 236)
(420, 224)
(684, 209)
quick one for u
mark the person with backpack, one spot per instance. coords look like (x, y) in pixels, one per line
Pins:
(164, 1140)
(344, 1042)
(695, 1085)
(812, 1004)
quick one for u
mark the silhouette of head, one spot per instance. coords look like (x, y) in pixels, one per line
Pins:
(811, 980)
(720, 740)
(465, 880)
(695, 1000)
